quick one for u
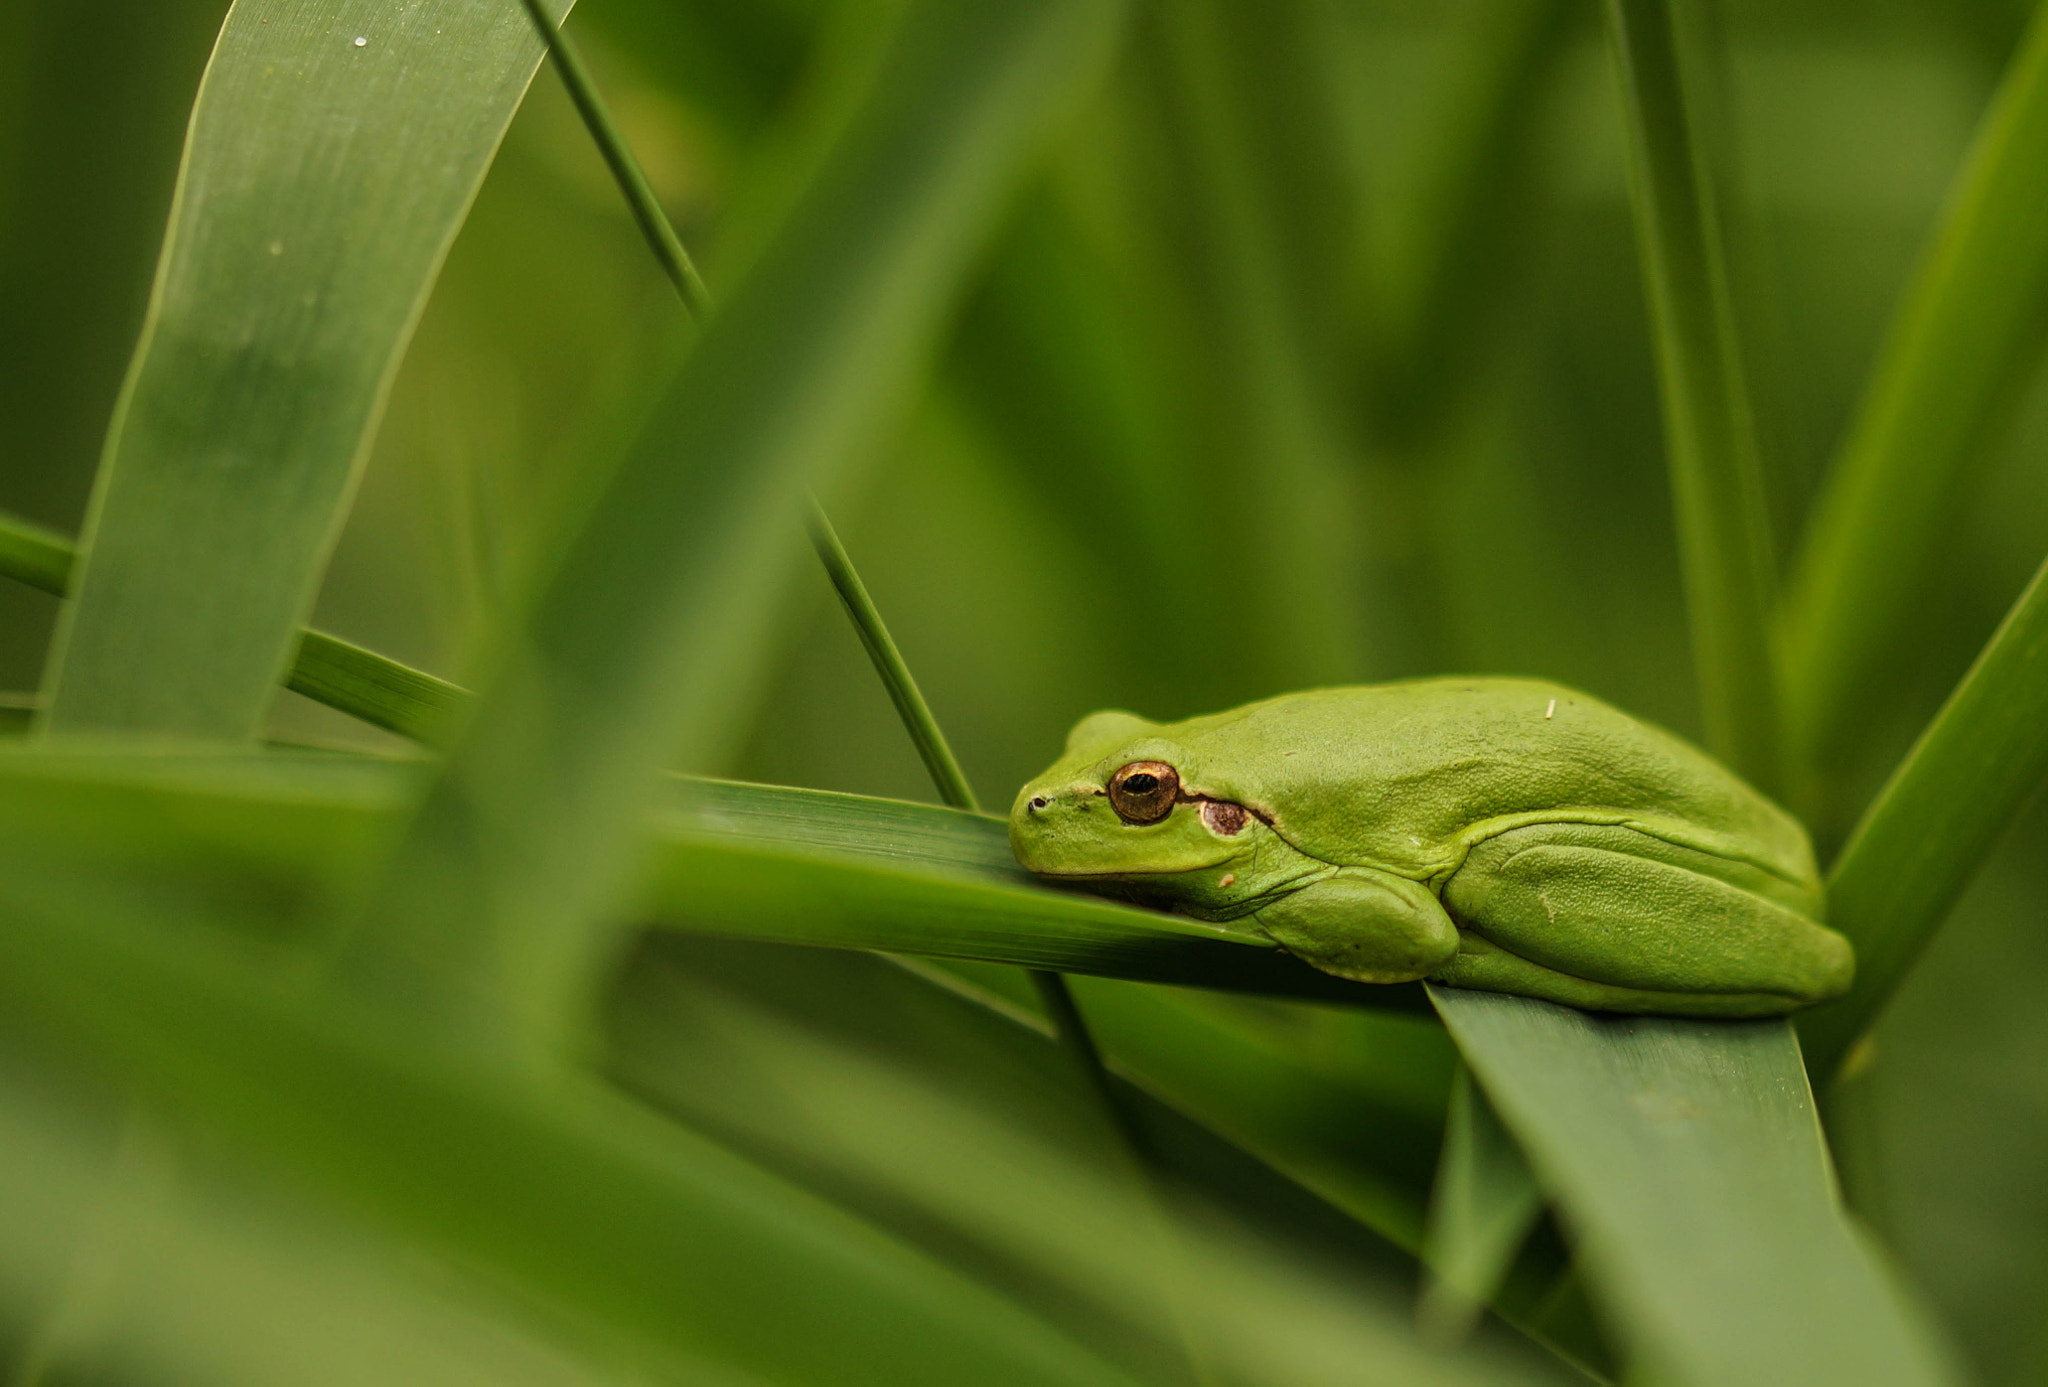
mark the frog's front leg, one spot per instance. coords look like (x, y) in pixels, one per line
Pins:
(1607, 916)
(1364, 925)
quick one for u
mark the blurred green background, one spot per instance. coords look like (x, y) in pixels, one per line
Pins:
(1349, 382)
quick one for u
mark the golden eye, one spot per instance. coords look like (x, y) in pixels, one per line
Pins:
(1144, 791)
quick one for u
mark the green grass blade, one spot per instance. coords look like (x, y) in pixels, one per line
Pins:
(1716, 483)
(1974, 769)
(645, 1230)
(731, 860)
(654, 225)
(1688, 1158)
(326, 669)
(333, 154)
(843, 871)
(661, 598)
(379, 690)
(41, 558)
(1481, 1211)
(1959, 344)
(932, 748)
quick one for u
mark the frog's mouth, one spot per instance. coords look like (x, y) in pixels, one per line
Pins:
(1075, 834)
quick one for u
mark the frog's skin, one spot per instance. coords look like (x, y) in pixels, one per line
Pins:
(1504, 834)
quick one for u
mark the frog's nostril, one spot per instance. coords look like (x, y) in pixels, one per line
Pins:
(1038, 802)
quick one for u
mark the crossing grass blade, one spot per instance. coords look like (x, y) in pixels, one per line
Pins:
(1716, 481)
(1687, 1159)
(635, 643)
(325, 668)
(1959, 344)
(1973, 771)
(40, 557)
(333, 153)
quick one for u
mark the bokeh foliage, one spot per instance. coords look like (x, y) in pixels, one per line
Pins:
(1315, 349)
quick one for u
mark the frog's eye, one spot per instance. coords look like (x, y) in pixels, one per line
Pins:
(1144, 791)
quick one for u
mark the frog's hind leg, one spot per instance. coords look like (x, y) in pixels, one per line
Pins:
(1486, 967)
(1608, 917)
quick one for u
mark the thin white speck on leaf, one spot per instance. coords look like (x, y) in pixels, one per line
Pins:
(1551, 709)
(362, 42)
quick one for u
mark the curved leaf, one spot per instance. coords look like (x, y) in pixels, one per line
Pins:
(1967, 779)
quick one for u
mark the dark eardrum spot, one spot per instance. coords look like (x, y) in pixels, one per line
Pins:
(1221, 816)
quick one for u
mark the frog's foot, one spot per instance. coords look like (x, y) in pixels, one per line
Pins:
(1364, 925)
(1486, 967)
(1606, 911)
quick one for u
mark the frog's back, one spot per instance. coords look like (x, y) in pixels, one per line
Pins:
(1398, 775)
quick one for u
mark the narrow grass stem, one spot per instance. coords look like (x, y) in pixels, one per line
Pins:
(327, 669)
(1716, 479)
(654, 224)
(917, 717)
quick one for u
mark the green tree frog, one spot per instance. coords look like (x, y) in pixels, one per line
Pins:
(1504, 834)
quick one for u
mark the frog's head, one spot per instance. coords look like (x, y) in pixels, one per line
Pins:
(1125, 810)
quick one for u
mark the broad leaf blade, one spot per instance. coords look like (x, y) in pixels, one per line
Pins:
(1687, 1157)
(333, 153)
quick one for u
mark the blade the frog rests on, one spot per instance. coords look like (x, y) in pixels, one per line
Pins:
(1504, 834)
